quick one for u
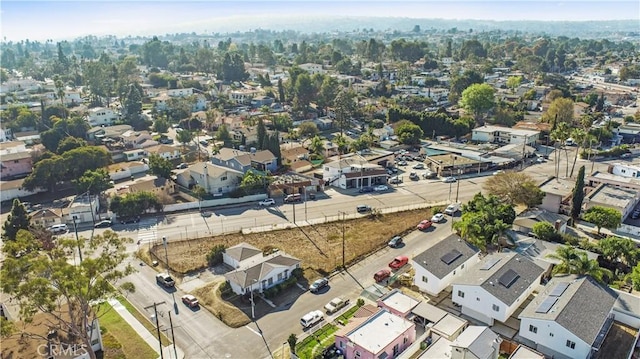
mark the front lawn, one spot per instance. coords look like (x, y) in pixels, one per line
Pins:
(120, 340)
(314, 343)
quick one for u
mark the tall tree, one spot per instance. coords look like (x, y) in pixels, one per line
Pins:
(603, 217)
(560, 134)
(304, 92)
(184, 137)
(46, 281)
(262, 134)
(484, 220)
(94, 182)
(344, 108)
(17, 219)
(478, 99)
(281, 97)
(578, 195)
(515, 188)
(160, 166)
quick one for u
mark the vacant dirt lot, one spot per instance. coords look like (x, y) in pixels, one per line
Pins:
(319, 247)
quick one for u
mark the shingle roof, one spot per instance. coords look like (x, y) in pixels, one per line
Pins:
(582, 308)
(478, 340)
(431, 258)
(489, 279)
(15, 156)
(242, 251)
(259, 271)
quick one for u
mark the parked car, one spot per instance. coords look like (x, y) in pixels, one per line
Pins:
(363, 208)
(449, 179)
(127, 220)
(182, 166)
(366, 189)
(312, 318)
(318, 284)
(429, 175)
(402, 163)
(336, 304)
(498, 172)
(424, 225)
(395, 180)
(452, 209)
(190, 301)
(393, 169)
(413, 176)
(267, 202)
(296, 197)
(395, 242)
(399, 262)
(437, 218)
(59, 228)
(381, 188)
(103, 224)
(165, 280)
(418, 166)
(381, 275)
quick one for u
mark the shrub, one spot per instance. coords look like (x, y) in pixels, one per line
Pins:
(298, 273)
(214, 257)
(360, 302)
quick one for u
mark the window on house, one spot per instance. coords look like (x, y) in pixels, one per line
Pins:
(270, 281)
(357, 354)
(279, 276)
(223, 178)
(425, 279)
(462, 267)
(495, 308)
(477, 299)
(286, 273)
(571, 344)
(533, 329)
(551, 335)
(396, 349)
(460, 294)
(405, 340)
(454, 272)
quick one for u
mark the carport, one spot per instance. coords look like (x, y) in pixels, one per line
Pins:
(425, 313)
(374, 292)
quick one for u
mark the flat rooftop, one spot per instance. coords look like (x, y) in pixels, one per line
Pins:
(609, 178)
(400, 301)
(558, 186)
(612, 196)
(379, 331)
(449, 325)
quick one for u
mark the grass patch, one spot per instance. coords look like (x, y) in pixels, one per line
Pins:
(315, 342)
(210, 298)
(344, 318)
(318, 247)
(121, 341)
(146, 322)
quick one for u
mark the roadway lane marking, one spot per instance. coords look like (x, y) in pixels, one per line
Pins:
(254, 331)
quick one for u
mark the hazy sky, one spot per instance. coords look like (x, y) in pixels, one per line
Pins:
(39, 20)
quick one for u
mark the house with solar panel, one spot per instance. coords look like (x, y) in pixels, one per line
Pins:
(496, 286)
(437, 267)
(570, 318)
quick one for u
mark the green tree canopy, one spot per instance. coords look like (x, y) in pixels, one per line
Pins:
(135, 204)
(616, 249)
(185, 137)
(307, 129)
(478, 99)
(17, 219)
(484, 220)
(408, 133)
(160, 166)
(46, 281)
(544, 231)
(603, 217)
(578, 195)
(70, 143)
(93, 181)
(515, 188)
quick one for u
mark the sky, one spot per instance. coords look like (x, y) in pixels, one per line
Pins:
(58, 20)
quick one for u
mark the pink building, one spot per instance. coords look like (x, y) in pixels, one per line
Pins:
(15, 164)
(382, 335)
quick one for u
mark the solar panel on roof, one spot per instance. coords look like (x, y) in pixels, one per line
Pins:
(508, 278)
(546, 304)
(559, 289)
(451, 256)
(490, 263)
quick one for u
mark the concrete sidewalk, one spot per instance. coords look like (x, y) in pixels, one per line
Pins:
(147, 336)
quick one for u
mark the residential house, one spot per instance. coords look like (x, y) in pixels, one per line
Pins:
(28, 137)
(162, 101)
(398, 303)
(5, 134)
(312, 68)
(153, 184)
(290, 183)
(134, 155)
(111, 132)
(138, 139)
(215, 179)
(15, 165)
(260, 101)
(382, 335)
(46, 217)
(12, 147)
(122, 170)
(621, 199)
(101, 116)
(524, 352)
(514, 151)
(236, 255)
(497, 134)
(323, 123)
(525, 221)
(13, 189)
(438, 266)
(625, 170)
(242, 161)
(164, 151)
(243, 96)
(353, 172)
(496, 286)
(382, 134)
(569, 318)
(297, 159)
(557, 194)
(19, 84)
(477, 342)
(82, 209)
(258, 273)
(245, 135)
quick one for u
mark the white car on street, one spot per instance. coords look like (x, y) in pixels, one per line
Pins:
(381, 188)
(267, 202)
(437, 218)
(449, 179)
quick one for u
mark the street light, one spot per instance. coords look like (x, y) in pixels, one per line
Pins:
(253, 305)
(458, 184)
(75, 229)
(343, 239)
(166, 253)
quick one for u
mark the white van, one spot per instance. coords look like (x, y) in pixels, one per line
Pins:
(311, 318)
(452, 209)
(59, 228)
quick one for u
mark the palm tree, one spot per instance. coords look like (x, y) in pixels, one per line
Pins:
(585, 266)
(566, 255)
(579, 135)
(316, 145)
(341, 142)
(561, 134)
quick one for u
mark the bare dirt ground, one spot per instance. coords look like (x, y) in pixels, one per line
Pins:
(318, 247)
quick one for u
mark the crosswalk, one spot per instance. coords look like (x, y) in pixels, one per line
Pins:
(147, 230)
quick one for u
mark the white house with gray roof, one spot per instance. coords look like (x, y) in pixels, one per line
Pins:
(437, 267)
(570, 318)
(496, 286)
(257, 272)
(236, 255)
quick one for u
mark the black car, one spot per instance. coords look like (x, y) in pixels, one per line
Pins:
(366, 189)
(318, 284)
(103, 224)
(128, 220)
(395, 242)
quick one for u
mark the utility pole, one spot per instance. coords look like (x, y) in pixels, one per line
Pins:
(166, 253)
(343, 242)
(173, 338)
(75, 229)
(458, 189)
(155, 310)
